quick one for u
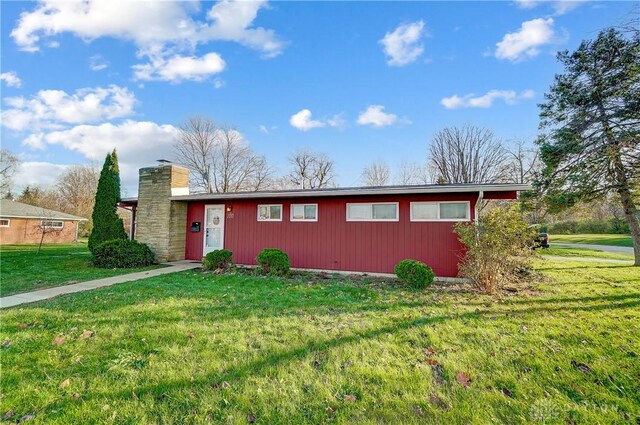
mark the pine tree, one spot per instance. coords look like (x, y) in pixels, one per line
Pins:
(106, 223)
(591, 119)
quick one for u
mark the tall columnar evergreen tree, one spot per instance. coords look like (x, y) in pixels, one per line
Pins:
(590, 120)
(106, 223)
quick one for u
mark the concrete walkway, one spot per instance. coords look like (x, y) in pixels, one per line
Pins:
(587, 259)
(45, 294)
(606, 248)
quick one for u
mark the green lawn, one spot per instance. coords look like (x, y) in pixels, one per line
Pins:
(203, 348)
(22, 269)
(564, 251)
(616, 240)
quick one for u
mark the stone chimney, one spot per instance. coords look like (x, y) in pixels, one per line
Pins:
(160, 222)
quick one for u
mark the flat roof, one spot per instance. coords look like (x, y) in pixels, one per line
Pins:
(352, 191)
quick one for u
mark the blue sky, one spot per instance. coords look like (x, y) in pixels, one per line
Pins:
(360, 81)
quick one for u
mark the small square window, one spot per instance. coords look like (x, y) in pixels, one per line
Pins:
(5, 222)
(304, 212)
(269, 212)
(453, 211)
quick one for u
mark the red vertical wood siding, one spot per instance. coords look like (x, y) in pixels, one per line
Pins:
(333, 243)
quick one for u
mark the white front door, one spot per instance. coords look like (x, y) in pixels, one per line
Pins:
(213, 228)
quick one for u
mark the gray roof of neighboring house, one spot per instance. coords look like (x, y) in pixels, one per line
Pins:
(13, 209)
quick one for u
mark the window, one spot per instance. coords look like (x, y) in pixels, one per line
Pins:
(387, 211)
(269, 212)
(304, 212)
(51, 224)
(440, 211)
(5, 222)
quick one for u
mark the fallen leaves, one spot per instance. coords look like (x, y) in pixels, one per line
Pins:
(87, 334)
(350, 398)
(64, 384)
(438, 402)
(22, 325)
(438, 374)
(59, 340)
(463, 380)
(581, 367)
(6, 344)
(251, 418)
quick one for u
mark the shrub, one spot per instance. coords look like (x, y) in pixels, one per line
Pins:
(273, 261)
(417, 274)
(498, 248)
(122, 253)
(218, 259)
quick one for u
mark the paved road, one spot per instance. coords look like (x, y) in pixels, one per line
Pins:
(606, 248)
(45, 294)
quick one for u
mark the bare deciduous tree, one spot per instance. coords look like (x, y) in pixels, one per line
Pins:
(195, 148)
(376, 174)
(411, 173)
(311, 170)
(236, 167)
(467, 154)
(77, 188)
(8, 167)
(522, 163)
(220, 158)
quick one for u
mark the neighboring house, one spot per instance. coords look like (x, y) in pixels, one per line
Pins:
(366, 229)
(23, 223)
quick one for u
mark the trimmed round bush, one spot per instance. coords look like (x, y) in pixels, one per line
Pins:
(274, 261)
(415, 273)
(122, 254)
(218, 259)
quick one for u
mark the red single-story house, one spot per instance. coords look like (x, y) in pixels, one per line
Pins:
(23, 223)
(365, 229)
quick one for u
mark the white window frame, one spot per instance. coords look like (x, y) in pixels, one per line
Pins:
(8, 220)
(302, 219)
(397, 204)
(52, 221)
(269, 205)
(468, 218)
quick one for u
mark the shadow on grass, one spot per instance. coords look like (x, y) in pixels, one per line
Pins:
(235, 375)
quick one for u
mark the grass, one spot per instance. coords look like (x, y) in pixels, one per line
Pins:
(22, 269)
(563, 251)
(204, 348)
(615, 240)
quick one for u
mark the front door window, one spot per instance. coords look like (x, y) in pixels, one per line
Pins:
(214, 228)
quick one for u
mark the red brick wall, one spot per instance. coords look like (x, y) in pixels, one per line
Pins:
(23, 230)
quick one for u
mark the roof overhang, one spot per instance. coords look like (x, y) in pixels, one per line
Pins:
(356, 191)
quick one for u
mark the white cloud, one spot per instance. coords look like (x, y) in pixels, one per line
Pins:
(526, 42)
(178, 68)
(53, 108)
(375, 116)
(510, 97)
(560, 7)
(263, 129)
(162, 30)
(35, 173)
(97, 63)
(302, 121)
(11, 79)
(139, 143)
(218, 83)
(402, 46)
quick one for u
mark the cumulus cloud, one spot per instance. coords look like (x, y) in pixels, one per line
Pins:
(37, 173)
(139, 143)
(402, 46)
(11, 79)
(526, 42)
(486, 100)
(375, 116)
(164, 31)
(303, 121)
(54, 108)
(178, 68)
